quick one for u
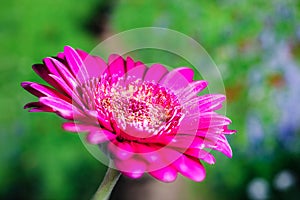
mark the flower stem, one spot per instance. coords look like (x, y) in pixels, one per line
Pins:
(107, 185)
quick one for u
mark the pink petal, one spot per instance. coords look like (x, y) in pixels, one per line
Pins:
(210, 102)
(133, 175)
(190, 168)
(63, 108)
(155, 73)
(38, 107)
(167, 174)
(192, 90)
(61, 56)
(201, 154)
(185, 142)
(95, 66)
(178, 78)
(116, 65)
(76, 127)
(72, 94)
(50, 66)
(83, 55)
(131, 166)
(223, 146)
(121, 150)
(76, 64)
(228, 131)
(212, 119)
(63, 72)
(135, 73)
(43, 72)
(129, 63)
(99, 136)
(40, 90)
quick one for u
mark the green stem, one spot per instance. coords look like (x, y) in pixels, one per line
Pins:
(107, 185)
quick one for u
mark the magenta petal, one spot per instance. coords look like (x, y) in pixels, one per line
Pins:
(76, 64)
(61, 56)
(69, 91)
(129, 63)
(135, 74)
(73, 59)
(64, 73)
(122, 150)
(210, 102)
(167, 174)
(40, 90)
(223, 146)
(228, 131)
(133, 175)
(64, 109)
(76, 127)
(43, 72)
(83, 55)
(50, 66)
(211, 119)
(131, 166)
(188, 73)
(38, 107)
(155, 73)
(192, 90)
(190, 168)
(201, 154)
(177, 79)
(116, 65)
(95, 66)
(99, 136)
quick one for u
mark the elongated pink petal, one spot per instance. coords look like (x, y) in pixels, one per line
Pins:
(190, 168)
(63, 72)
(44, 73)
(77, 127)
(63, 108)
(38, 107)
(130, 64)
(76, 64)
(121, 150)
(40, 90)
(99, 136)
(177, 79)
(131, 166)
(201, 154)
(73, 59)
(72, 94)
(116, 65)
(192, 90)
(223, 146)
(167, 174)
(134, 175)
(211, 119)
(95, 66)
(210, 102)
(135, 73)
(83, 55)
(155, 73)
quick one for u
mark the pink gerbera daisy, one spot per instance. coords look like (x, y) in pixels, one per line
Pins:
(146, 119)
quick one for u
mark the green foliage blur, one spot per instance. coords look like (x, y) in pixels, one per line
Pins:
(255, 44)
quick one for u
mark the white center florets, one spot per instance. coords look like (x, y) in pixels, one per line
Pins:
(147, 107)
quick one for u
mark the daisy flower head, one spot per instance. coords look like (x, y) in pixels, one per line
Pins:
(146, 119)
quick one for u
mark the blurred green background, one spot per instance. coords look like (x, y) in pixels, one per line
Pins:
(255, 44)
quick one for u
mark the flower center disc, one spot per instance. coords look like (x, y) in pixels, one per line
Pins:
(138, 109)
